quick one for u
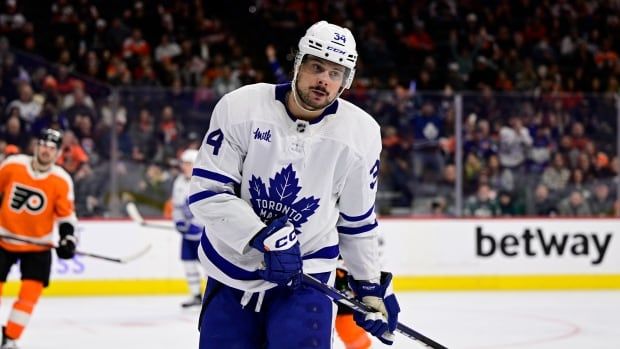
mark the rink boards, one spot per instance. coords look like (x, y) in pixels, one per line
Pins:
(424, 254)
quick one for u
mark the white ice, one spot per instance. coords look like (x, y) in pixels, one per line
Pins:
(470, 320)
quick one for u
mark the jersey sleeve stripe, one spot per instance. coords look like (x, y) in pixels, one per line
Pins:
(222, 264)
(358, 218)
(214, 176)
(357, 230)
(329, 252)
(204, 195)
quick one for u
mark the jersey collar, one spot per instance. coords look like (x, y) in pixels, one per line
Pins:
(281, 91)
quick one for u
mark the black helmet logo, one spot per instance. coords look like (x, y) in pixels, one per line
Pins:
(51, 135)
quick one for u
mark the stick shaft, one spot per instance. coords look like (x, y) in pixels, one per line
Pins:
(136, 216)
(50, 245)
(157, 226)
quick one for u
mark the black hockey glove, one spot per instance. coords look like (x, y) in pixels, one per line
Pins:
(67, 242)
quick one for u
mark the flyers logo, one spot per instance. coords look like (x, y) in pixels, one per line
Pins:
(27, 198)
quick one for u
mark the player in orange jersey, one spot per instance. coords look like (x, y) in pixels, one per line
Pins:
(353, 336)
(35, 193)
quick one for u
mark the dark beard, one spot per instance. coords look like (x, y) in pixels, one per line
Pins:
(44, 163)
(308, 102)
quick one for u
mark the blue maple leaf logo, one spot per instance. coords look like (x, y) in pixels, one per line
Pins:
(281, 198)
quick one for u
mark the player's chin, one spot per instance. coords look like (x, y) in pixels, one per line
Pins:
(44, 160)
(312, 104)
(320, 103)
(318, 107)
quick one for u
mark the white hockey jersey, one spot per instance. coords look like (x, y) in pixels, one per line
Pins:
(180, 210)
(257, 162)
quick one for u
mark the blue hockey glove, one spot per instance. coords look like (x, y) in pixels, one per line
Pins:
(182, 226)
(193, 230)
(187, 213)
(282, 255)
(187, 228)
(380, 297)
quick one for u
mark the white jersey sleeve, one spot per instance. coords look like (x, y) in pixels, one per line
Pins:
(180, 192)
(180, 189)
(215, 181)
(357, 224)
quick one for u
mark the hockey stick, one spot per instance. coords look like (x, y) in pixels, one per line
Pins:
(134, 214)
(360, 307)
(81, 253)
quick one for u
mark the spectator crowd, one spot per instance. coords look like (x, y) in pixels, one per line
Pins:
(537, 81)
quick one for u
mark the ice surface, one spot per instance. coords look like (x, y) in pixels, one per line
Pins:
(470, 320)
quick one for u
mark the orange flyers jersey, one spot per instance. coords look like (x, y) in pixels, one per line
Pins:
(33, 202)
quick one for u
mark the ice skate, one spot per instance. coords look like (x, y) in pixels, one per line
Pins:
(194, 301)
(7, 343)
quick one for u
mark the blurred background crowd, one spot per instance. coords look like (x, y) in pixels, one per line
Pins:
(487, 108)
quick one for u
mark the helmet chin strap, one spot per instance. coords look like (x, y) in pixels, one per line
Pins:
(298, 103)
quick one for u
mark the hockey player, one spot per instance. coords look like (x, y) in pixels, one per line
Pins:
(35, 194)
(285, 181)
(188, 227)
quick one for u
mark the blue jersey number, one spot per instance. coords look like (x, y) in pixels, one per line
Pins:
(215, 139)
(339, 37)
(374, 172)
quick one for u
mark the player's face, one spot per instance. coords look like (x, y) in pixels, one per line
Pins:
(46, 152)
(319, 82)
(187, 168)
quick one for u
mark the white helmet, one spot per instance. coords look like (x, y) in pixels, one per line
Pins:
(330, 42)
(189, 155)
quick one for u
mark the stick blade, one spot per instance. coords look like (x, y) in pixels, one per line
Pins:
(136, 255)
(122, 260)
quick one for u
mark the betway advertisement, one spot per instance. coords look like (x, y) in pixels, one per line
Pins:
(423, 254)
(412, 247)
(501, 246)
